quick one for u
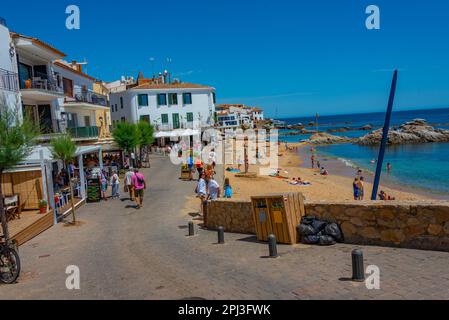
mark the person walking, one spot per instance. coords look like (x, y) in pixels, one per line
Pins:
(355, 187)
(213, 188)
(139, 186)
(104, 185)
(199, 167)
(115, 183)
(129, 184)
(201, 191)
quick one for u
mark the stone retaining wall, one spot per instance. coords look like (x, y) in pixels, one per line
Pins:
(234, 215)
(416, 225)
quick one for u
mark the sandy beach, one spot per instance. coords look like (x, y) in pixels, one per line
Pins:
(331, 187)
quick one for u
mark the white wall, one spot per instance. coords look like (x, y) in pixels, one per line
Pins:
(9, 98)
(202, 105)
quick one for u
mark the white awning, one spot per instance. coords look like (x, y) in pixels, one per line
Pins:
(176, 133)
(35, 157)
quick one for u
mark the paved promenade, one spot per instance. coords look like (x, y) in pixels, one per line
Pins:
(123, 253)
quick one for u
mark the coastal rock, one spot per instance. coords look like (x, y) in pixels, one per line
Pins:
(326, 138)
(368, 127)
(344, 129)
(416, 131)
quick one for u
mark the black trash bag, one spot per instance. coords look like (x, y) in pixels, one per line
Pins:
(306, 230)
(308, 220)
(319, 225)
(312, 239)
(325, 240)
(333, 230)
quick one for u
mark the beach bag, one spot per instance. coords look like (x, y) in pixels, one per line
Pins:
(333, 230)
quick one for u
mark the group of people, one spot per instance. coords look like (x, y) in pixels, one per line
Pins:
(209, 189)
(359, 188)
(134, 184)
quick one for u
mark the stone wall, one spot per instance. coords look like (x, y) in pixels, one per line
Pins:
(233, 215)
(416, 225)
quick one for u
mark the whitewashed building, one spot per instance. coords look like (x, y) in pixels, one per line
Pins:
(231, 116)
(168, 106)
(9, 80)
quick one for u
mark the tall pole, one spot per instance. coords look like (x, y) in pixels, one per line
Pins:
(384, 141)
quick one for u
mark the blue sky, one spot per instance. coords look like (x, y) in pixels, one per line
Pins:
(299, 57)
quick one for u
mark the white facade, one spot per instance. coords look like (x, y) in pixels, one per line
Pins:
(175, 113)
(9, 81)
(80, 104)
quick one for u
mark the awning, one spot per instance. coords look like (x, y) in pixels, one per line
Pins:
(176, 133)
(35, 156)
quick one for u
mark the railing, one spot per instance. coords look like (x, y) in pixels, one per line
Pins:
(3, 22)
(9, 80)
(183, 125)
(88, 96)
(42, 81)
(84, 132)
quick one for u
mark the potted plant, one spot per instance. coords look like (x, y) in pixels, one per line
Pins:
(43, 206)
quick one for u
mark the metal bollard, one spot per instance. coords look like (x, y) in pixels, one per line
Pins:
(191, 229)
(272, 246)
(221, 239)
(358, 270)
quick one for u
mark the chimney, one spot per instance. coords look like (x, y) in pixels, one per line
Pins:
(76, 66)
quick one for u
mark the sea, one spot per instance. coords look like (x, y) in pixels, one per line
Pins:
(422, 167)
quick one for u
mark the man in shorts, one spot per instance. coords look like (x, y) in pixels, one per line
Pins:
(139, 184)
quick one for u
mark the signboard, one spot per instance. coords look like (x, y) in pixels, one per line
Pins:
(93, 190)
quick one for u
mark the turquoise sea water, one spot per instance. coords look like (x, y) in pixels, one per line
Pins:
(424, 166)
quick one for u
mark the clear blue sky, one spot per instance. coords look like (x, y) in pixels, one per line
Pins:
(300, 57)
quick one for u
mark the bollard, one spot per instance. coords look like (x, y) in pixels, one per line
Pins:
(358, 270)
(191, 229)
(221, 239)
(272, 246)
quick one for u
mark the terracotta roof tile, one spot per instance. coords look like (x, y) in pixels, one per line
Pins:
(182, 85)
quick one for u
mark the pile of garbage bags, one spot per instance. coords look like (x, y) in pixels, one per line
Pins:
(315, 231)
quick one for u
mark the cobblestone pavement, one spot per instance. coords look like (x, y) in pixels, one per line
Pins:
(123, 253)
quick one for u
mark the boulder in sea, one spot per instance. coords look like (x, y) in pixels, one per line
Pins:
(368, 127)
(326, 138)
(416, 131)
(343, 129)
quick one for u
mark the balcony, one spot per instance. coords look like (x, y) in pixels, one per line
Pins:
(87, 99)
(84, 133)
(41, 87)
(9, 80)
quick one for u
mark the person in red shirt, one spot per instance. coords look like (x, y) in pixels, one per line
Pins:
(139, 184)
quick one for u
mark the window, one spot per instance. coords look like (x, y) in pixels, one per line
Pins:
(123, 119)
(164, 118)
(186, 98)
(189, 117)
(162, 99)
(145, 118)
(214, 97)
(86, 121)
(176, 124)
(68, 87)
(116, 108)
(172, 99)
(121, 102)
(142, 100)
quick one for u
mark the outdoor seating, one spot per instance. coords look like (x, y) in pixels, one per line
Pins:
(12, 206)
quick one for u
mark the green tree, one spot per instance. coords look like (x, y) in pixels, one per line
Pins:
(127, 136)
(146, 136)
(64, 149)
(17, 138)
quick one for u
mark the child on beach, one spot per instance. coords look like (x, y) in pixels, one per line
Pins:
(227, 189)
(355, 187)
(361, 188)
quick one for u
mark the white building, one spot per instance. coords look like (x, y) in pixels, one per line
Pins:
(238, 115)
(82, 109)
(40, 86)
(9, 81)
(167, 106)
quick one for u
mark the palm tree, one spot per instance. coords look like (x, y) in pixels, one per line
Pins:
(17, 138)
(64, 149)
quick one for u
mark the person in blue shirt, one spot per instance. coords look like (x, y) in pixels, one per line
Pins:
(227, 189)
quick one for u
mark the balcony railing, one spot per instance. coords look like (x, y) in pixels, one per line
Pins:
(182, 125)
(42, 81)
(9, 80)
(88, 96)
(84, 132)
